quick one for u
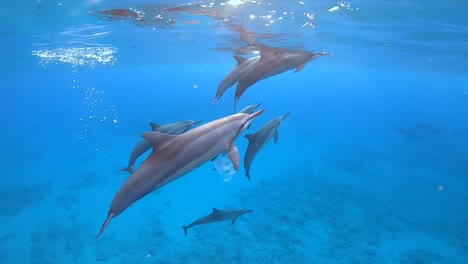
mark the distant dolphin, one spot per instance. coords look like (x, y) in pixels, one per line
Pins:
(217, 216)
(249, 109)
(273, 62)
(171, 129)
(259, 139)
(174, 156)
(243, 66)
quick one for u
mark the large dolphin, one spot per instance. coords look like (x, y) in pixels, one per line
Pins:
(259, 139)
(273, 62)
(217, 216)
(174, 156)
(171, 129)
(243, 66)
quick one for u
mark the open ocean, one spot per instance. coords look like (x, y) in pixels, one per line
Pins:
(371, 165)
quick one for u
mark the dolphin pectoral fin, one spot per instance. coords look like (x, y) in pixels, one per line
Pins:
(154, 126)
(185, 230)
(128, 169)
(249, 136)
(104, 226)
(275, 136)
(234, 156)
(300, 67)
(247, 173)
(157, 139)
(233, 220)
(239, 59)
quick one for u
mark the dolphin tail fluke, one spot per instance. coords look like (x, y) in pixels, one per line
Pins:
(128, 169)
(104, 226)
(185, 230)
(248, 175)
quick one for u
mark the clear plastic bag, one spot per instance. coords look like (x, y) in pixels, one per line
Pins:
(224, 166)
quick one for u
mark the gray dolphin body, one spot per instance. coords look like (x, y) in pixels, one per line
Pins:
(273, 62)
(217, 216)
(171, 129)
(174, 156)
(243, 66)
(259, 139)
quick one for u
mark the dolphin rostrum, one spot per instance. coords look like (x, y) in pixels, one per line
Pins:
(243, 66)
(273, 62)
(171, 129)
(216, 216)
(259, 139)
(174, 156)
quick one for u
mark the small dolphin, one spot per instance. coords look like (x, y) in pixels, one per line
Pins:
(273, 62)
(243, 66)
(249, 109)
(259, 139)
(175, 156)
(171, 129)
(217, 216)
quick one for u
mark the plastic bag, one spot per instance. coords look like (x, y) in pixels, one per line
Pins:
(225, 167)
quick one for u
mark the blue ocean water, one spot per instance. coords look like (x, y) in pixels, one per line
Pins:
(371, 166)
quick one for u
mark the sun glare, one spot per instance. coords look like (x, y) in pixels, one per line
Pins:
(235, 2)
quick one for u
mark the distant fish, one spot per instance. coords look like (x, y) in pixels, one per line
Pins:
(428, 128)
(273, 62)
(259, 139)
(171, 129)
(217, 216)
(175, 156)
(243, 66)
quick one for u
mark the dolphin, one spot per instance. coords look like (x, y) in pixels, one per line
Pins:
(217, 216)
(273, 62)
(171, 129)
(259, 139)
(174, 156)
(250, 109)
(243, 66)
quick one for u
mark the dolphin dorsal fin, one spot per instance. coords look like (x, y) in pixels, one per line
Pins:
(215, 211)
(157, 139)
(239, 59)
(154, 126)
(249, 136)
